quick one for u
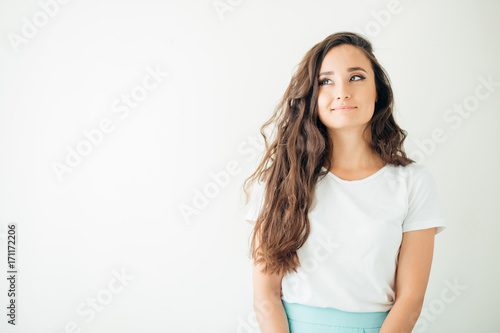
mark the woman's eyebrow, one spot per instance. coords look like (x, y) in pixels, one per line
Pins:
(351, 69)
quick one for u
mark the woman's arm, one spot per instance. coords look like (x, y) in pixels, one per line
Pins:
(412, 276)
(267, 303)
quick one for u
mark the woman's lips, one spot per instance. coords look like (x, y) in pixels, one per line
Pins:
(344, 108)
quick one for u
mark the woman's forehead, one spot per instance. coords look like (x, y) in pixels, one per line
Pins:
(345, 56)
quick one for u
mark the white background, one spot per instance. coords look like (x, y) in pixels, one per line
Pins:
(119, 209)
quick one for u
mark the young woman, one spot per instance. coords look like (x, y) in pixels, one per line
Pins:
(344, 222)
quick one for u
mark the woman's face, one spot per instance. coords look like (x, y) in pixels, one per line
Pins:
(346, 78)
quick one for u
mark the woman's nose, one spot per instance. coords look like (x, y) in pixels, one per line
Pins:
(341, 92)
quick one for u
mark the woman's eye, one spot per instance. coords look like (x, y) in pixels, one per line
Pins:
(322, 82)
(325, 81)
(361, 77)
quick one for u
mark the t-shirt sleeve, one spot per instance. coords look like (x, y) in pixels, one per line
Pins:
(424, 205)
(255, 204)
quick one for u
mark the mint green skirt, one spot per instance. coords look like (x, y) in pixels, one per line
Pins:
(306, 319)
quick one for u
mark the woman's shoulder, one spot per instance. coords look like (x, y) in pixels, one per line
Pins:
(410, 171)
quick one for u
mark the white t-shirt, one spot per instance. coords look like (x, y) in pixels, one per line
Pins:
(350, 258)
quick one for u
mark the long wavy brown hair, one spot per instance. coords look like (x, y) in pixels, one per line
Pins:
(292, 163)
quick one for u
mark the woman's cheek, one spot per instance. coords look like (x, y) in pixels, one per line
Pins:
(322, 102)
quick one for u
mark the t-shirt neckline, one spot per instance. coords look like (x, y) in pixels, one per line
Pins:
(358, 181)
